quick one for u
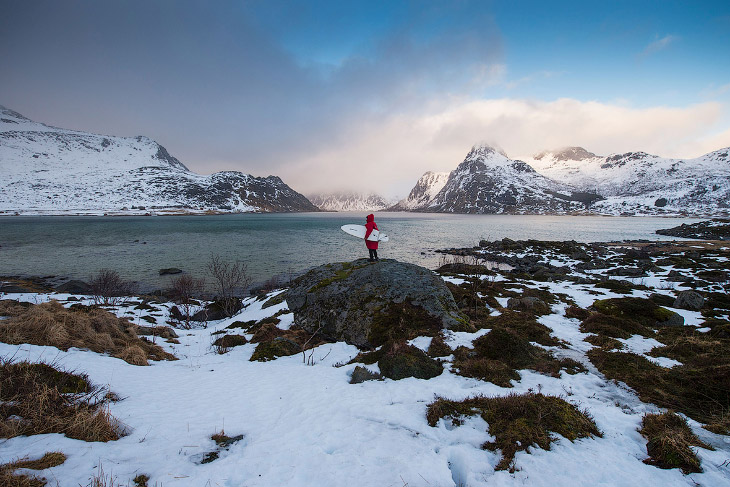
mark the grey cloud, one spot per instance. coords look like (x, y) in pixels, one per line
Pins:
(213, 85)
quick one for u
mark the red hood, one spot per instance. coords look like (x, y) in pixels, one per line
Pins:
(370, 218)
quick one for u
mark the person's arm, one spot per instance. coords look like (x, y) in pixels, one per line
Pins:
(368, 230)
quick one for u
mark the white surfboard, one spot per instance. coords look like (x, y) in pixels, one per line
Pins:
(359, 232)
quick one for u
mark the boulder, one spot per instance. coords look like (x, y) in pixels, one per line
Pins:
(675, 276)
(529, 303)
(691, 300)
(170, 271)
(12, 288)
(218, 310)
(367, 304)
(74, 287)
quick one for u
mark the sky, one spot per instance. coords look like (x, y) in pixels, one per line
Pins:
(369, 95)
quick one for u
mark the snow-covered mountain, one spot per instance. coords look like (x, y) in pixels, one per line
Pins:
(49, 170)
(427, 187)
(637, 182)
(349, 201)
(490, 182)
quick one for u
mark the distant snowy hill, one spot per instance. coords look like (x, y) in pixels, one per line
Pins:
(349, 201)
(487, 181)
(427, 187)
(48, 170)
(640, 183)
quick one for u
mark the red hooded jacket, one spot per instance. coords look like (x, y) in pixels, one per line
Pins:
(369, 227)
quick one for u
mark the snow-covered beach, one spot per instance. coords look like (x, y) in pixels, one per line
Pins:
(305, 423)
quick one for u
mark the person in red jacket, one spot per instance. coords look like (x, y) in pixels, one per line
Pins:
(372, 245)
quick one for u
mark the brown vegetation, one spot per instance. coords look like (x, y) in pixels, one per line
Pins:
(109, 289)
(38, 399)
(498, 355)
(669, 440)
(9, 478)
(517, 421)
(51, 324)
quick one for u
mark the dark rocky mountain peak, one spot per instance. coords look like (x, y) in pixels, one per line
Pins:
(6, 112)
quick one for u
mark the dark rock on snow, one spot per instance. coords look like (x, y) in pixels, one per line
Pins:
(74, 287)
(12, 288)
(718, 229)
(361, 374)
(350, 301)
(691, 300)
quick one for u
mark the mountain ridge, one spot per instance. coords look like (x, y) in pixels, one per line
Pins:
(50, 170)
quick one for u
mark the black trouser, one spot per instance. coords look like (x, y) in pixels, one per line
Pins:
(373, 254)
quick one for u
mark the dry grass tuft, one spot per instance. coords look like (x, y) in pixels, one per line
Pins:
(39, 399)
(84, 327)
(9, 478)
(669, 440)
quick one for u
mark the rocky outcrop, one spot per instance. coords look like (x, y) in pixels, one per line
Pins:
(691, 300)
(707, 230)
(368, 304)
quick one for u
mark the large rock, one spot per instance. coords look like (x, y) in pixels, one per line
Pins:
(691, 300)
(367, 304)
(74, 287)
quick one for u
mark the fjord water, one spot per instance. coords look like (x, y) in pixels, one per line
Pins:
(280, 245)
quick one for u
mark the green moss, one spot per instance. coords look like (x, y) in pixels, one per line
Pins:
(717, 301)
(498, 355)
(604, 342)
(438, 347)
(507, 347)
(402, 321)
(577, 312)
(700, 388)
(344, 271)
(713, 275)
(264, 332)
(614, 326)
(641, 310)
(668, 442)
(243, 325)
(524, 325)
(368, 358)
(481, 368)
(26, 374)
(518, 422)
(662, 300)
(145, 306)
(272, 349)
(278, 299)
(401, 361)
(620, 287)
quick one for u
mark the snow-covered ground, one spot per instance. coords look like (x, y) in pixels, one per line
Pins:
(306, 425)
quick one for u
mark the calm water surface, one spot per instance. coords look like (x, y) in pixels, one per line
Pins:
(271, 244)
